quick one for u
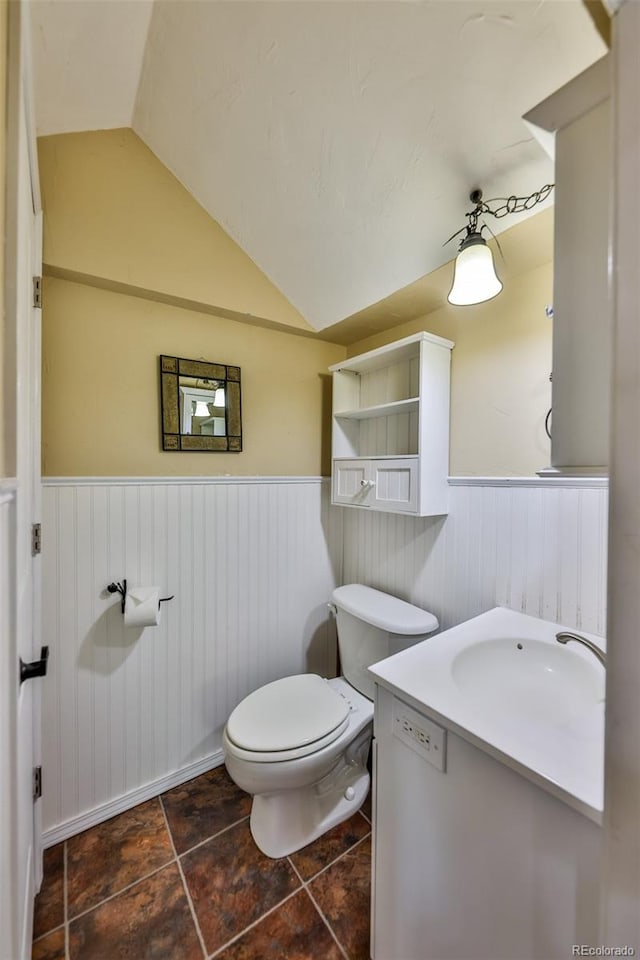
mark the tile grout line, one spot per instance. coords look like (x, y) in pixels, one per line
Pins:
(305, 886)
(327, 923)
(255, 923)
(337, 859)
(112, 896)
(63, 924)
(213, 836)
(53, 930)
(146, 876)
(184, 882)
(176, 858)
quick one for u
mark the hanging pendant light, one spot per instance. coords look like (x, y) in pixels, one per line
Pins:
(474, 277)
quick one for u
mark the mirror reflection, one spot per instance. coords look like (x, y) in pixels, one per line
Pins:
(201, 408)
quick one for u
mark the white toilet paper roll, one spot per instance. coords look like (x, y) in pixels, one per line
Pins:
(142, 607)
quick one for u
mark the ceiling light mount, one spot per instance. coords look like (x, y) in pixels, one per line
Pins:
(475, 279)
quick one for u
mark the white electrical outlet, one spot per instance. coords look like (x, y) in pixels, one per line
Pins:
(424, 736)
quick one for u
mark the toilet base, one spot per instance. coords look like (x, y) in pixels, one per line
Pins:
(284, 822)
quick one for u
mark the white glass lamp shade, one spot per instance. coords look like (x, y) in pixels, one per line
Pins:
(474, 278)
(202, 409)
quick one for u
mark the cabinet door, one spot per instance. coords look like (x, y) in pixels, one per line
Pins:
(395, 485)
(351, 482)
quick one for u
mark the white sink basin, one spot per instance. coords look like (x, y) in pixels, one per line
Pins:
(502, 681)
(531, 679)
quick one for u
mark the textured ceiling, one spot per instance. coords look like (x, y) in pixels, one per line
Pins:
(336, 142)
(87, 58)
(523, 247)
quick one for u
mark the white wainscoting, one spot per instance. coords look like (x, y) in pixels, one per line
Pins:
(127, 713)
(536, 546)
(252, 562)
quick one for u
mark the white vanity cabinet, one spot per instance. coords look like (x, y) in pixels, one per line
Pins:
(471, 860)
(390, 429)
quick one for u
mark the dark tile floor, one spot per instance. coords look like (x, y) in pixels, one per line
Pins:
(180, 878)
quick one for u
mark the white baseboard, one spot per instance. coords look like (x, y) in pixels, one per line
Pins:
(128, 800)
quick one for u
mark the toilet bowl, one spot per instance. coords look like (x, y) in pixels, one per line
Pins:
(300, 745)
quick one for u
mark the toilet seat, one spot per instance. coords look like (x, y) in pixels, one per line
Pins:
(288, 718)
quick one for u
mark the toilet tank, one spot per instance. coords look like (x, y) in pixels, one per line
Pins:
(373, 625)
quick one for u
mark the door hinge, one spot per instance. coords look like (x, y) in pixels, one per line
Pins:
(37, 783)
(36, 539)
(37, 291)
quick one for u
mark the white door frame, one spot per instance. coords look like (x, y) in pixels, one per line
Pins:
(20, 842)
(620, 921)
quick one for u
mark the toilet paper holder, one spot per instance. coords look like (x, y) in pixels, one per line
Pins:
(121, 588)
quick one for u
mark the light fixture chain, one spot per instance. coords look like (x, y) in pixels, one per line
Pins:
(517, 204)
(475, 279)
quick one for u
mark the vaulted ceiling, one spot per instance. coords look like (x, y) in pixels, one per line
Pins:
(336, 142)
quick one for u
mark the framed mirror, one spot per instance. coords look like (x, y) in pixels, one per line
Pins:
(201, 406)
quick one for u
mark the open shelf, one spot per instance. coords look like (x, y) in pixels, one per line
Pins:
(390, 427)
(380, 410)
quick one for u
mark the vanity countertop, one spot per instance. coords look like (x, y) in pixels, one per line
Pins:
(502, 682)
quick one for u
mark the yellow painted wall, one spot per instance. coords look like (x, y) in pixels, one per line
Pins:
(114, 215)
(101, 409)
(3, 149)
(500, 389)
(113, 211)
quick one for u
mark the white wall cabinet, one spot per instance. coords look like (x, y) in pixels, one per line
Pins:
(580, 114)
(390, 434)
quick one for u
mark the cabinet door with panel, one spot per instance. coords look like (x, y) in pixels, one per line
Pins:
(394, 485)
(352, 482)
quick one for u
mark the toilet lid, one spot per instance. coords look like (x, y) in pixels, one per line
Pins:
(286, 714)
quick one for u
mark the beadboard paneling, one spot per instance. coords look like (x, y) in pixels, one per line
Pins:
(539, 548)
(252, 565)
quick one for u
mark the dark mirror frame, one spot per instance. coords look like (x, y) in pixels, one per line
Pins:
(171, 369)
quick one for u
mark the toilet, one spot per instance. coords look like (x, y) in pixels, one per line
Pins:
(300, 745)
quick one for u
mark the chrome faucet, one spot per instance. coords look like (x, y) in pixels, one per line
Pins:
(565, 636)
